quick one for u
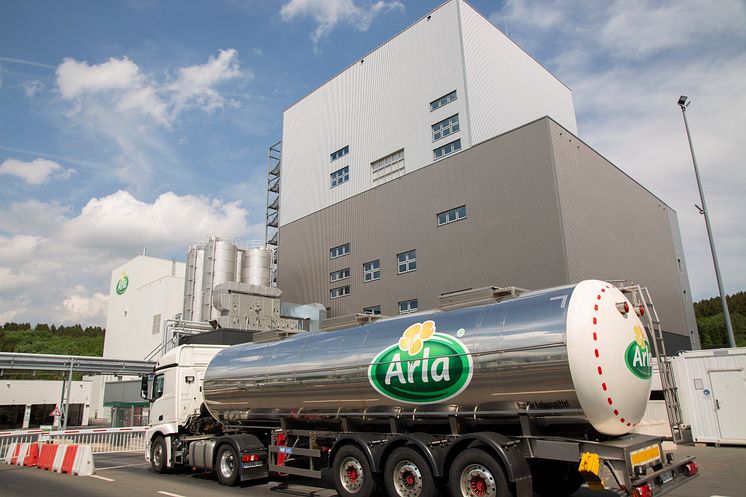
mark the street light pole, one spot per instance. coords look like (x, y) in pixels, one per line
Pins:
(684, 103)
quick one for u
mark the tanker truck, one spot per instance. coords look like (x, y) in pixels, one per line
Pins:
(536, 393)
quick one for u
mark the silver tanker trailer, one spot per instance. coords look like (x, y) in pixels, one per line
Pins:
(537, 393)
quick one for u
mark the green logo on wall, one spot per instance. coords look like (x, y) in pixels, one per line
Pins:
(637, 356)
(424, 367)
(122, 284)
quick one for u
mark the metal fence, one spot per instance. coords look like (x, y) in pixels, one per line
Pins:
(101, 440)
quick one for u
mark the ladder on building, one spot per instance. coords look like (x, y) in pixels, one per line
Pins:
(272, 213)
(640, 297)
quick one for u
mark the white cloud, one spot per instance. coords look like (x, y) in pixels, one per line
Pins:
(196, 84)
(32, 87)
(57, 262)
(79, 307)
(627, 63)
(328, 13)
(76, 78)
(36, 172)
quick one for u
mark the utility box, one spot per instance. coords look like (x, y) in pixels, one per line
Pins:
(712, 391)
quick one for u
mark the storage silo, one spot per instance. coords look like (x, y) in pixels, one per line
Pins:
(220, 258)
(193, 283)
(255, 266)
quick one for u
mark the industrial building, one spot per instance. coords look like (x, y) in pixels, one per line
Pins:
(448, 159)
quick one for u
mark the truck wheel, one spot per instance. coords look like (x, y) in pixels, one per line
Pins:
(475, 473)
(352, 474)
(408, 474)
(227, 465)
(158, 455)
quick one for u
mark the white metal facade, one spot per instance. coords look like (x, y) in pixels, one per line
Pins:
(136, 316)
(381, 104)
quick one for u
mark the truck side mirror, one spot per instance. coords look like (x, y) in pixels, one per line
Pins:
(146, 387)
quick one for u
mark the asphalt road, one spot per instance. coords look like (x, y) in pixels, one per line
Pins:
(722, 473)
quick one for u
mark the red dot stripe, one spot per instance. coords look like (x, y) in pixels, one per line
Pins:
(604, 387)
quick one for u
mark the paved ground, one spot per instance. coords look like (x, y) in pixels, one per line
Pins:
(723, 473)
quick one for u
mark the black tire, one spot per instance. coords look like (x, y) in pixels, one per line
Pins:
(475, 473)
(407, 474)
(352, 474)
(555, 479)
(158, 454)
(227, 465)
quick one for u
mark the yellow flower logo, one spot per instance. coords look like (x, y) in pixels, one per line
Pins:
(639, 336)
(415, 336)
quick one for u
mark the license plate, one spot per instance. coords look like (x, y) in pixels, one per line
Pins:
(247, 465)
(647, 455)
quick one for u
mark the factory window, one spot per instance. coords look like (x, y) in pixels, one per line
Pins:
(407, 306)
(375, 310)
(342, 274)
(445, 127)
(440, 102)
(156, 324)
(339, 251)
(407, 261)
(340, 176)
(387, 168)
(447, 149)
(452, 215)
(372, 271)
(340, 153)
(341, 291)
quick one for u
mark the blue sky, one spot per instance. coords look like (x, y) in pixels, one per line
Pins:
(142, 123)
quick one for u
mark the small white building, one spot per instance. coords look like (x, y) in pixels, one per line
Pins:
(712, 391)
(29, 404)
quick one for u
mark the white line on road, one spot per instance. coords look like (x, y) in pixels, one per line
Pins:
(123, 466)
(169, 494)
(101, 477)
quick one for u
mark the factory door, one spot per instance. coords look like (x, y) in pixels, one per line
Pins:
(729, 392)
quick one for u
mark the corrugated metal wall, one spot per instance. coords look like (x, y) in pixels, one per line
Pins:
(512, 233)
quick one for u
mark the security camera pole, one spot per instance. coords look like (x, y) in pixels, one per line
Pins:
(684, 103)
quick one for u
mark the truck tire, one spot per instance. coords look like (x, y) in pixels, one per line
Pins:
(407, 474)
(352, 474)
(475, 473)
(158, 454)
(227, 465)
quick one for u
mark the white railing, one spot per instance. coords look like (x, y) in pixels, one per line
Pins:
(101, 440)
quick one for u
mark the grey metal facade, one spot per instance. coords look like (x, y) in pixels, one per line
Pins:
(542, 209)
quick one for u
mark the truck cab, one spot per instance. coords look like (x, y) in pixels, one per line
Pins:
(174, 390)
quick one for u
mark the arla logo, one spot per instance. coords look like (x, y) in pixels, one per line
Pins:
(122, 284)
(637, 356)
(423, 367)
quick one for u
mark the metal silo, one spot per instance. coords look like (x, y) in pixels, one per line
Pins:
(255, 266)
(219, 267)
(193, 283)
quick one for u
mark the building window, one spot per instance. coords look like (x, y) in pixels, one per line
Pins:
(156, 324)
(374, 310)
(447, 149)
(387, 168)
(407, 306)
(440, 102)
(340, 176)
(340, 153)
(342, 274)
(407, 261)
(339, 251)
(372, 271)
(341, 291)
(445, 127)
(452, 215)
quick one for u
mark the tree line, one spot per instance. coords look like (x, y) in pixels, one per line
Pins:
(711, 322)
(74, 330)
